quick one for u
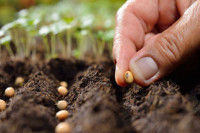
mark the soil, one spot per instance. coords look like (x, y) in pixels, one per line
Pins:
(96, 103)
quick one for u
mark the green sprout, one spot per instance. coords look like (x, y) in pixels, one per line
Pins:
(75, 29)
(103, 38)
(44, 31)
(6, 42)
(70, 24)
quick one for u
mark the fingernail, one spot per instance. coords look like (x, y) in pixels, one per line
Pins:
(144, 68)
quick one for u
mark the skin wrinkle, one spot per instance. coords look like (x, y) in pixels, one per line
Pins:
(165, 51)
(173, 46)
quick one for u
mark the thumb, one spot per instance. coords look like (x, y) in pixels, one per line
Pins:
(167, 50)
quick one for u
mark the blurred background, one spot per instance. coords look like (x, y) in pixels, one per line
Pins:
(80, 27)
(8, 8)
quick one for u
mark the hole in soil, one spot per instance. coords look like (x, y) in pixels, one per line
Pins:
(66, 70)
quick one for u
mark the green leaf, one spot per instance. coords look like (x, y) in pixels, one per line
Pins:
(5, 40)
(2, 33)
(9, 26)
(45, 30)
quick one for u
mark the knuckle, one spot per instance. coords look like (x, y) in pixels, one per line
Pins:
(122, 10)
(169, 48)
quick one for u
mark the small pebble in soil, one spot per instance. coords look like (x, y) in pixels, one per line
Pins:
(62, 90)
(19, 81)
(2, 105)
(128, 76)
(9, 92)
(62, 104)
(63, 127)
(63, 114)
(64, 84)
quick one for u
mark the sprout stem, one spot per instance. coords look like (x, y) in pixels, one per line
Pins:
(69, 43)
(101, 46)
(53, 46)
(9, 49)
(33, 43)
(60, 36)
(46, 45)
(17, 43)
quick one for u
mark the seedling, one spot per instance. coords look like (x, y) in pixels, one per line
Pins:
(43, 32)
(71, 31)
(128, 76)
(62, 104)
(9, 92)
(63, 127)
(62, 90)
(6, 42)
(69, 27)
(64, 84)
(2, 105)
(63, 114)
(19, 81)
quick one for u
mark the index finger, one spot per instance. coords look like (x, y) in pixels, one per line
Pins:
(133, 20)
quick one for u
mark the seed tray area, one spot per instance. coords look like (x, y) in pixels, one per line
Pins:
(95, 103)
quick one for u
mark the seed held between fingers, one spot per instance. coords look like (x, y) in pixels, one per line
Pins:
(63, 114)
(64, 84)
(2, 105)
(62, 90)
(63, 127)
(62, 104)
(128, 76)
(9, 92)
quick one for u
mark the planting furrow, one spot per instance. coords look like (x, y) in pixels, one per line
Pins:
(93, 102)
(32, 109)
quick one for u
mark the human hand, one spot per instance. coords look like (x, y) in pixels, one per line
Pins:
(152, 37)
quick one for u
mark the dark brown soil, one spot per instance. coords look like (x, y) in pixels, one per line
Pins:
(96, 103)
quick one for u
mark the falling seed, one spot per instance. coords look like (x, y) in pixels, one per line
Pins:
(2, 105)
(64, 84)
(62, 90)
(63, 127)
(62, 104)
(128, 76)
(9, 92)
(19, 81)
(63, 114)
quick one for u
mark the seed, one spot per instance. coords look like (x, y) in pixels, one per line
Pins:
(19, 81)
(2, 105)
(9, 92)
(63, 127)
(64, 84)
(62, 104)
(128, 76)
(63, 114)
(62, 90)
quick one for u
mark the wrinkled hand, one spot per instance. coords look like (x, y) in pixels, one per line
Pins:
(152, 37)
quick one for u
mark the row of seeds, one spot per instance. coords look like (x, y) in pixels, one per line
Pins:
(10, 92)
(62, 127)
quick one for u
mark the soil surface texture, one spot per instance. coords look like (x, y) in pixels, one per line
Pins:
(95, 103)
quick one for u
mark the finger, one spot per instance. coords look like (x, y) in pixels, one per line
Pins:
(168, 49)
(183, 5)
(170, 11)
(168, 14)
(132, 22)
